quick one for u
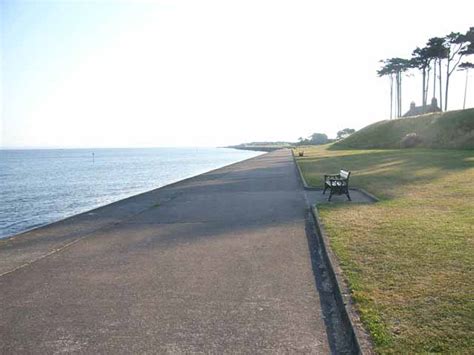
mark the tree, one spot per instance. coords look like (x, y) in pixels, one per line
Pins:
(468, 50)
(469, 40)
(456, 45)
(394, 67)
(344, 133)
(318, 138)
(387, 70)
(302, 141)
(421, 59)
(437, 51)
(465, 67)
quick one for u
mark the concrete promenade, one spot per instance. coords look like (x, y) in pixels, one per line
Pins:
(216, 264)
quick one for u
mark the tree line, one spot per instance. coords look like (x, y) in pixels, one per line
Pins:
(322, 138)
(438, 60)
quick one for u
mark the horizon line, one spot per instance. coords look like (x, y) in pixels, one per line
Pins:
(111, 147)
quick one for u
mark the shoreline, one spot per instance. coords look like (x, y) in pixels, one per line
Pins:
(48, 224)
(257, 148)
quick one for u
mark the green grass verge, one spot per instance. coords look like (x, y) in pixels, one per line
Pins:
(452, 129)
(409, 259)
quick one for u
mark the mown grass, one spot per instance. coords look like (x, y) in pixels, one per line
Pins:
(409, 259)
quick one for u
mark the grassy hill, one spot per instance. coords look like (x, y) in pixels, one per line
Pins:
(451, 130)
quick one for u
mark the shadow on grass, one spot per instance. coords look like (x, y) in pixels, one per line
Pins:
(386, 173)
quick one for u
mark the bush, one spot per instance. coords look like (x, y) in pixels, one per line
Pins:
(411, 140)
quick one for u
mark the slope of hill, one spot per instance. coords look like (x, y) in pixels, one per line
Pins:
(452, 130)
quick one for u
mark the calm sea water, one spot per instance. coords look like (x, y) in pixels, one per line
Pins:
(42, 186)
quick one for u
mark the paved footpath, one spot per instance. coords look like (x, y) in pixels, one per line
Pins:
(216, 264)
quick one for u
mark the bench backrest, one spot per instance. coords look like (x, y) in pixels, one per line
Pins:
(344, 174)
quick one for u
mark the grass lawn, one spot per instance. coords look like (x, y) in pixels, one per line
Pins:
(408, 259)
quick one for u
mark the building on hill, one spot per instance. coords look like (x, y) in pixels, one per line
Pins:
(420, 110)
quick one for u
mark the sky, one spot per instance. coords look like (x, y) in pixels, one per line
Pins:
(109, 73)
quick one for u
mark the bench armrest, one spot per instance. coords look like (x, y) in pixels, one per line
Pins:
(333, 176)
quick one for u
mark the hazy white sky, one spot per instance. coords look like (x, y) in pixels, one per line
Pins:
(110, 73)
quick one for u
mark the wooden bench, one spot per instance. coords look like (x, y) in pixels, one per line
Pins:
(337, 184)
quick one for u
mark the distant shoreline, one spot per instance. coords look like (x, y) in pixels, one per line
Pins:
(261, 146)
(257, 149)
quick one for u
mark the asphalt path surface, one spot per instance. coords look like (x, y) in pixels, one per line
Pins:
(218, 263)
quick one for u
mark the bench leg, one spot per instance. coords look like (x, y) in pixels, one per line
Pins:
(348, 196)
(330, 195)
(324, 191)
